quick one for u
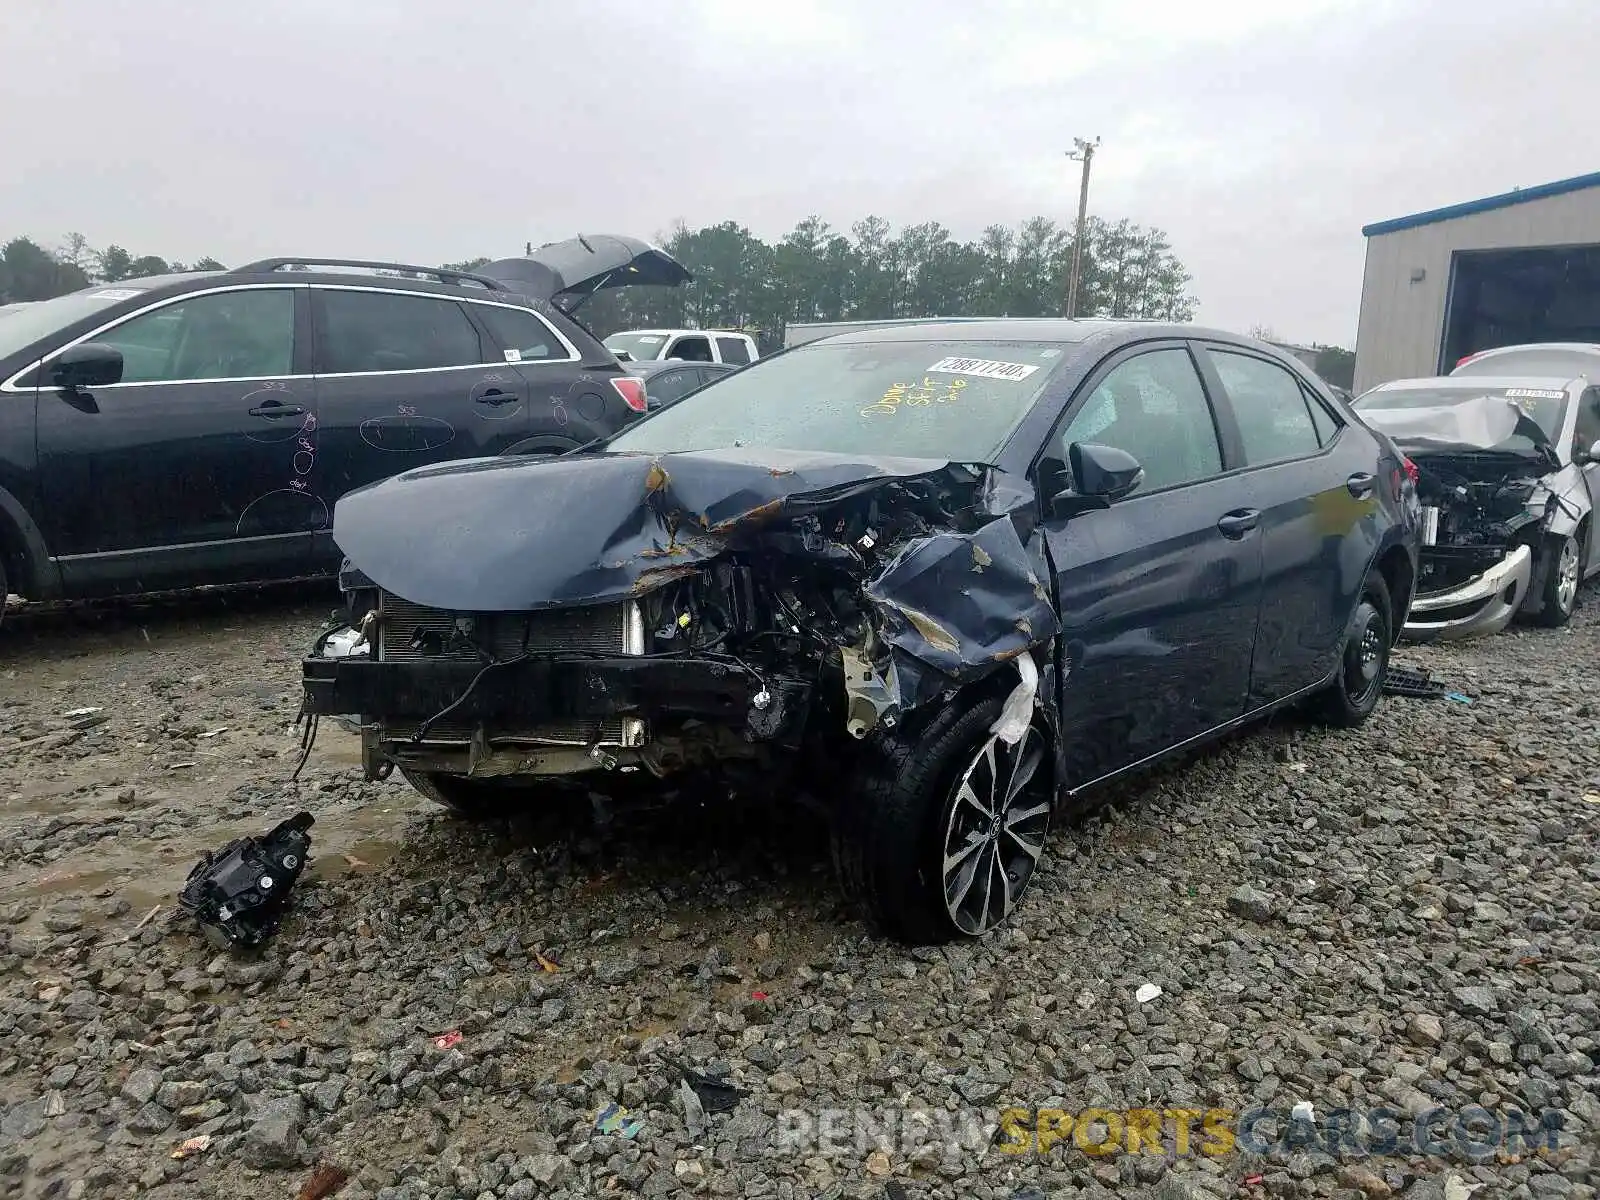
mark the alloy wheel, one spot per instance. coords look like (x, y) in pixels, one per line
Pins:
(995, 833)
(1567, 575)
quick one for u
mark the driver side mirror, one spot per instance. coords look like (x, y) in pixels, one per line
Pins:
(1591, 455)
(88, 364)
(1102, 475)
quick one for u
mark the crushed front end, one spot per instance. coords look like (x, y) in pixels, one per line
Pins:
(1482, 521)
(708, 609)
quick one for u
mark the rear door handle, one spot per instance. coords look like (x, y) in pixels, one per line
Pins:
(274, 409)
(1361, 484)
(1238, 522)
(496, 397)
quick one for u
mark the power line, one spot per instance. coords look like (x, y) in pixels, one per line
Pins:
(1082, 151)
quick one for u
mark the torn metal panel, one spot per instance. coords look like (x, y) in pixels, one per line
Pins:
(518, 534)
(964, 602)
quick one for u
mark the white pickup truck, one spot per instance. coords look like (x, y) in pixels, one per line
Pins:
(690, 345)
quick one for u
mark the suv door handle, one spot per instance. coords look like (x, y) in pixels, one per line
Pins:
(272, 408)
(1361, 484)
(1238, 522)
(496, 397)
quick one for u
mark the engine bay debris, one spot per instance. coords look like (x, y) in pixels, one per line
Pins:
(238, 894)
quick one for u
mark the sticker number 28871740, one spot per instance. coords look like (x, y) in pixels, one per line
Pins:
(917, 395)
(983, 367)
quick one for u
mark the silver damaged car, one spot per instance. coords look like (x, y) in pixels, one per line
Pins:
(1508, 472)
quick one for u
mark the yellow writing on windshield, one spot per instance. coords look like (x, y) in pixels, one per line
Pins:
(917, 395)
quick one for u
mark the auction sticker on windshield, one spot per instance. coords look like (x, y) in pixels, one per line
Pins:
(1536, 393)
(983, 367)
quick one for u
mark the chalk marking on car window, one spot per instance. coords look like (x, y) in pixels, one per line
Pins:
(917, 395)
(985, 368)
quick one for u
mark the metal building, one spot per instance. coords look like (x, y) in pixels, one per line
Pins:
(1523, 266)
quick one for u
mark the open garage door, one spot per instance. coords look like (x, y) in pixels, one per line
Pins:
(1508, 297)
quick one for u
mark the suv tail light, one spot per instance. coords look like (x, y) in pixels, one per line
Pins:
(1465, 359)
(1411, 471)
(632, 392)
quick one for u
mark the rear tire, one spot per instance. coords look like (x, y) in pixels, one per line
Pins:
(1561, 582)
(1363, 660)
(4, 585)
(942, 831)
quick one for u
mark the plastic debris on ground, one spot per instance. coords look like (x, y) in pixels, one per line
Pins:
(613, 1118)
(1147, 992)
(1403, 681)
(447, 1040)
(195, 1145)
(238, 893)
(1458, 697)
(715, 1095)
(694, 1113)
(324, 1180)
(1303, 1111)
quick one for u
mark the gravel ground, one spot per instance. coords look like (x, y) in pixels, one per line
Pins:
(1405, 916)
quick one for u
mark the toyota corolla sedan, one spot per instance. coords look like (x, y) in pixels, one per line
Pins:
(962, 572)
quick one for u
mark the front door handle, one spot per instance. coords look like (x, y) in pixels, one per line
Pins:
(496, 397)
(1238, 522)
(273, 408)
(1361, 484)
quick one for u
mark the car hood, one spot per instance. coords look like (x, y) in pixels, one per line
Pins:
(587, 264)
(1479, 424)
(518, 534)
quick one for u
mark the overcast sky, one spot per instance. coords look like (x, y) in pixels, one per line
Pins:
(1260, 134)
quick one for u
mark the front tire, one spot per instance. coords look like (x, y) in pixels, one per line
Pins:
(1363, 659)
(1561, 582)
(944, 829)
(469, 799)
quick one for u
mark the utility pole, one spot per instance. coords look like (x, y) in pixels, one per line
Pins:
(1082, 151)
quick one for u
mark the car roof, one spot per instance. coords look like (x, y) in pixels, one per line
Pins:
(666, 332)
(1038, 329)
(506, 294)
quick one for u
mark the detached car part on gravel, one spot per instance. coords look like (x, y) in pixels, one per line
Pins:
(1508, 472)
(238, 893)
(934, 581)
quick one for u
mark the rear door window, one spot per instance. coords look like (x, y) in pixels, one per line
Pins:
(733, 350)
(1326, 424)
(522, 335)
(392, 331)
(1270, 407)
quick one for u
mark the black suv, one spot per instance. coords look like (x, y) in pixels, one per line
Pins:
(197, 429)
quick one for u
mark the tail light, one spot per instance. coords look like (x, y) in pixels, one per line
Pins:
(1411, 471)
(1465, 359)
(632, 392)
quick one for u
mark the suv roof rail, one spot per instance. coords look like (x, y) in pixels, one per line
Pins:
(442, 274)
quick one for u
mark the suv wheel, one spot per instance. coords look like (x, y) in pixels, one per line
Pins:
(1363, 659)
(944, 829)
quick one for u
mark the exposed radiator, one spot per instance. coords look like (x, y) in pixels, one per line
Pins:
(410, 632)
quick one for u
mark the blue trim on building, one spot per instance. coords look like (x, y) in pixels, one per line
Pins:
(1488, 204)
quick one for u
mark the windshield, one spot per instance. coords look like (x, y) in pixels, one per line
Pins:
(643, 346)
(1466, 418)
(23, 326)
(952, 401)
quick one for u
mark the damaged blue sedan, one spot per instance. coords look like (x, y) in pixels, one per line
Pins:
(951, 574)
